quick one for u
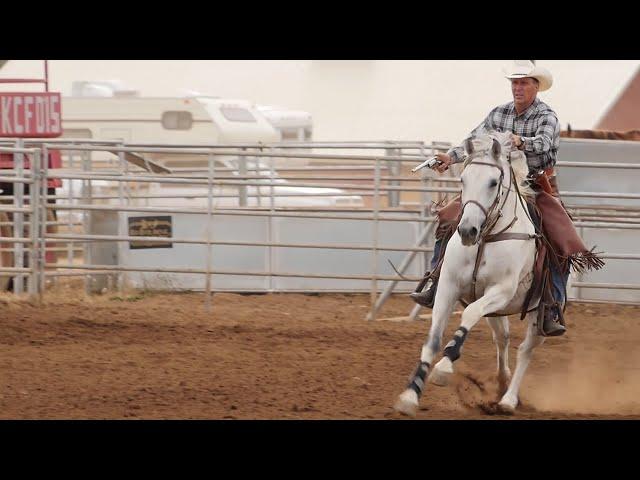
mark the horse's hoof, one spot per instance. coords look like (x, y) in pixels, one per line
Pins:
(439, 378)
(441, 372)
(506, 408)
(407, 403)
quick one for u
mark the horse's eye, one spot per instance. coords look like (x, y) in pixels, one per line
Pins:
(493, 183)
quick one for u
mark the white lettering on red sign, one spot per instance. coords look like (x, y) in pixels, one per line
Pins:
(30, 114)
(17, 101)
(5, 125)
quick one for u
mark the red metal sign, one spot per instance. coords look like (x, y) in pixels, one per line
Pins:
(30, 115)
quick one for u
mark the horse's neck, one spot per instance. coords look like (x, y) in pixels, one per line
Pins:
(512, 204)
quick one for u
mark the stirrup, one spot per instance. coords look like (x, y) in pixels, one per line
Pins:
(426, 298)
(550, 326)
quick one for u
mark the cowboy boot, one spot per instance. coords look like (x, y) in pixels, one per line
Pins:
(551, 326)
(427, 297)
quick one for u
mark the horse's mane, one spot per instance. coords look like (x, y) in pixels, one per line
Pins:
(483, 141)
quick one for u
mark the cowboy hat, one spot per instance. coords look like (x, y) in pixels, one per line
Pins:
(526, 68)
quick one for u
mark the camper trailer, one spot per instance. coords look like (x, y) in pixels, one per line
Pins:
(110, 111)
(95, 107)
(106, 111)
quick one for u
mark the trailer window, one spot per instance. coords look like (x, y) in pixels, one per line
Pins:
(237, 114)
(177, 120)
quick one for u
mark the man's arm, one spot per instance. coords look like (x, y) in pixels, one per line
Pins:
(548, 129)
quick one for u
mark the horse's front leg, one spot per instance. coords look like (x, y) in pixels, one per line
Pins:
(509, 401)
(446, 297)
(495, 298)
(500, 330)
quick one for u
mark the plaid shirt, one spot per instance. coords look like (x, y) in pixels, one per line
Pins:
(538, 126)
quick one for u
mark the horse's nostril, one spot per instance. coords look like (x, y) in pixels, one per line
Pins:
(473, 231)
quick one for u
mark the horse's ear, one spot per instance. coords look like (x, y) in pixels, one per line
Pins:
(495, 149)
(468, 146)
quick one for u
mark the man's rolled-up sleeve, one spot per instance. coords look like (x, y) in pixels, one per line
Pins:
(548, 129)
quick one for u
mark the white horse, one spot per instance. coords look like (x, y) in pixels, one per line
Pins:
(492, 182)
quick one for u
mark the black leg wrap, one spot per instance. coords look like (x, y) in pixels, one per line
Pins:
(452, 350)
(417, 379)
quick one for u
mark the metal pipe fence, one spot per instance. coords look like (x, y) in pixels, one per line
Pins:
(24, 219)
(386, 193)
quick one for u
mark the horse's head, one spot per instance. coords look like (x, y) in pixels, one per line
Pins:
(485, 170)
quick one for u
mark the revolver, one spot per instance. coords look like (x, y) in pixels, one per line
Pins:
(432, 162)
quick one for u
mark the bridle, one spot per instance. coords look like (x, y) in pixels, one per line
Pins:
(490, 221)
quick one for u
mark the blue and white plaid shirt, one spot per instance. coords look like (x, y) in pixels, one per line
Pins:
(538, 126)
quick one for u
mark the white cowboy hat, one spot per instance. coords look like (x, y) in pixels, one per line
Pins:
(526, 68)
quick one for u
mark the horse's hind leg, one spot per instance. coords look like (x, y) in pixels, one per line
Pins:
(493, 300)
(500, 331)
(509, 401)
(446, 297)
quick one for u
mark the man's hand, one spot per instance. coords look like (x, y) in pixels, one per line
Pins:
(516, 140)
(445, 160)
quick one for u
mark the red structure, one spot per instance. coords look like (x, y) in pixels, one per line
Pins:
(31, 115)
(624, 114)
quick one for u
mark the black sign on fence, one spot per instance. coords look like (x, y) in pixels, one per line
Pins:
(150, 227)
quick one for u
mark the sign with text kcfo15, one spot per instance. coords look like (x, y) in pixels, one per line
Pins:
(30, 114)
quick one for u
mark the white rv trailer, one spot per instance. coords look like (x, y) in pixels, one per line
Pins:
(108, 111)
(170, 120)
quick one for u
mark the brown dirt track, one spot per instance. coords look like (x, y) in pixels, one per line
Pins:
(289, 356)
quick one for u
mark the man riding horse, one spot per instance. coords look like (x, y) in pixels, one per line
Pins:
(535, 130)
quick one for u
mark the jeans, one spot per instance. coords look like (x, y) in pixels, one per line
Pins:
(559, 284)
(557, 278)
(436, 254)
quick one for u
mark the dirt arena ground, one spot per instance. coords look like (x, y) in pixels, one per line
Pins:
(289, 356)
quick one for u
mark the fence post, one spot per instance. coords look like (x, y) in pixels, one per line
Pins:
(242, 170)
(34, 225)
(270, 225)
(70, 200)
(18, 219)
(209, 222)
(425, 208)
(394, 169)
(42, 257)
(87, 198)
(123, 225)
(374, 251)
